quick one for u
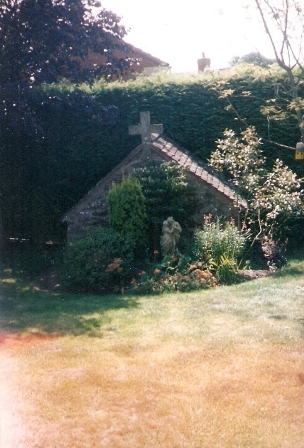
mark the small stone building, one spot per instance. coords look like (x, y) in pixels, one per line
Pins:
(216, 196)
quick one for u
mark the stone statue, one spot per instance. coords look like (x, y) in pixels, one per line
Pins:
(171, 233)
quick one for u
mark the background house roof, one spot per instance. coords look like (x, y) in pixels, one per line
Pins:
(142, 54)
(140, 60)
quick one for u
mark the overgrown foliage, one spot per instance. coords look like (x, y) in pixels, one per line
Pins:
(220, 247)
(174, 273)
(273, 196)
(100, 262)
(283, 22)
(45, 40)
(127, 213)
(167, 193)
(216, 239)
(274, 109)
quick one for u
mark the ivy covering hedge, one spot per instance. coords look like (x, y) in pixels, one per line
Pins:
(42, 178)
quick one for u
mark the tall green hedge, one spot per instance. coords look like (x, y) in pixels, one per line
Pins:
(41, 179)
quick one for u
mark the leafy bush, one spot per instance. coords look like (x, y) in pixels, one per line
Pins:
(273, 196)
(221, 246)
(127, 212)
(100, 262)
(216, 240)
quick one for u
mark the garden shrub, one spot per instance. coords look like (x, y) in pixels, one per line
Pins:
(274, 196)
(102, 261)
(217, 239)
(127, 212)
(220, 246)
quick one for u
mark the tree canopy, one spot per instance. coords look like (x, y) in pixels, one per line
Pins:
(273, 196)
(283, 23)
(44, 40)
(255, 58)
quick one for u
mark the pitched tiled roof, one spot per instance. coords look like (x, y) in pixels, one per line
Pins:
(182, 157)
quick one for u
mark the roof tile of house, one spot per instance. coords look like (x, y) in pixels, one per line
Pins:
(137, 52)
(175, 152)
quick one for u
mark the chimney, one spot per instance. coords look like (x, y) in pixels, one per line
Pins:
(203, 63)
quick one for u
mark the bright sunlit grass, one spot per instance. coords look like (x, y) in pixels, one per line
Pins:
(217, 368)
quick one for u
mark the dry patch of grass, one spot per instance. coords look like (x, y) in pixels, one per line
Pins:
(221, 368)
(89, 392)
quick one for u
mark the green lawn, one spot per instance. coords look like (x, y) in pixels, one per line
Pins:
(218, 368)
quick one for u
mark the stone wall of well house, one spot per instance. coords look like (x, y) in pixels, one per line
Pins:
(92, 210)
(212, 202)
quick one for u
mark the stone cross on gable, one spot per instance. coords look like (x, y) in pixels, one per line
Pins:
(145, 129)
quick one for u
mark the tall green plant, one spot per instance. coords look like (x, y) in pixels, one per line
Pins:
(217, 240)
(127, 212)
(220, 246)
